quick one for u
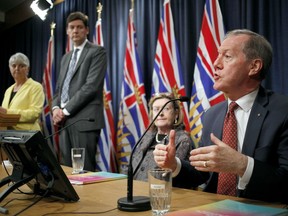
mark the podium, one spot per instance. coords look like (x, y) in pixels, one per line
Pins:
(7, 120)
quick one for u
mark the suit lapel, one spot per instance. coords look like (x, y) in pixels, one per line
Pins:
(15, 96)
(254, 125)
(219, 120)
(82, 57)
(66, 65)
(18, 94)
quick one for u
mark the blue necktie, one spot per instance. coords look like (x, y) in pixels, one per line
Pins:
(65, 88)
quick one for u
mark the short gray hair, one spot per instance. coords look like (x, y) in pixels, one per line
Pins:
(19, 58)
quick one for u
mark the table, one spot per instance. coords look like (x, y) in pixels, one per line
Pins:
(103, 196)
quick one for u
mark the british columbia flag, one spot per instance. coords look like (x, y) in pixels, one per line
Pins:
(167, 74)
(106, 150)
(49, 85)
(203, 94)
(133, 111)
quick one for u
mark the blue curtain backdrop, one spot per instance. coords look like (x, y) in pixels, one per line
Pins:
(267, 17)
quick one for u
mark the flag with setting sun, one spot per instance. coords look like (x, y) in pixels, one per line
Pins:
(167, 74)
(49, 85)
(133, 111)
(106, 150)
(203, 94)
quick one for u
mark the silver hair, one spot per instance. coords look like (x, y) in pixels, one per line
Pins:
(19, 58)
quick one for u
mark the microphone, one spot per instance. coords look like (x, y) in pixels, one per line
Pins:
(139, 203)
(183, 99)
(63, 128)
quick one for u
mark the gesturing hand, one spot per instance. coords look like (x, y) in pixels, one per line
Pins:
(218, 158)
(165, 155)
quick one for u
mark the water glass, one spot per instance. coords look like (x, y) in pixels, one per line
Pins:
(160, 186)
(78, 158)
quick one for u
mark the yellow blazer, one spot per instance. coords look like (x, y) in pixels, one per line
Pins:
(28, 102)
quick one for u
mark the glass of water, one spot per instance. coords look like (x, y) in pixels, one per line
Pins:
(78, 158)
(160, 186)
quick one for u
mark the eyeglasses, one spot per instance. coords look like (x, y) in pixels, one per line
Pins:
(166, 109)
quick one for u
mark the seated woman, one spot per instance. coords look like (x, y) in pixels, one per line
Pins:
(170, 118)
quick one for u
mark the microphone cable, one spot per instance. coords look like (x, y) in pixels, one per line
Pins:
(63, 128)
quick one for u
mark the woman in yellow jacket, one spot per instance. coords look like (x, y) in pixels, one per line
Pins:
(25, 96)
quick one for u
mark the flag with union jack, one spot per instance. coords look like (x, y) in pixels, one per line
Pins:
(49, 85)
(106, 149)
(167, 74)
(133, 111)
(203, 94)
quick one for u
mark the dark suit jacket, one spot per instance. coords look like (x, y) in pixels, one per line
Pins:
(266, 140)
(86, 87)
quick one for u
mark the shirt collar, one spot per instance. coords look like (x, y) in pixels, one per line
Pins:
(246, 102)
(81, 46)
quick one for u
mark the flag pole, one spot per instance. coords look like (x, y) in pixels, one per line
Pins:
(49, 84)
(99, 9)
(52, 27)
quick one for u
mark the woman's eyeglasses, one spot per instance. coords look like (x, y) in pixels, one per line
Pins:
(166, 109)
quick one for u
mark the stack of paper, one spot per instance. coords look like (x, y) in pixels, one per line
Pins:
(230, 208)
(93, 177)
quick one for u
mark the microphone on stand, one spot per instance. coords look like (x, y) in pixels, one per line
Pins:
(63, 128)
(139, 203)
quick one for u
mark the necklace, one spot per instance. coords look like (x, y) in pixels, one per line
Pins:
(157, 138)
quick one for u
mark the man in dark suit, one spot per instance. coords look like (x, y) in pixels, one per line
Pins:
(260, 161)
(79, 94)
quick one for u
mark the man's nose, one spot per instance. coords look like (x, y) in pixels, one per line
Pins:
(217, 63)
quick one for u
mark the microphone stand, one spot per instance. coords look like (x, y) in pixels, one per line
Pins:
(139, 203)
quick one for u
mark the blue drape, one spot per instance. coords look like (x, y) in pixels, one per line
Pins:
(267, 17)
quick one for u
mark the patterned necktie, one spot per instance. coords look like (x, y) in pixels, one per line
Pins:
(227, 182)
(65, 88)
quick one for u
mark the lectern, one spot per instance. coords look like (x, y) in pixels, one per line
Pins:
(7, 120)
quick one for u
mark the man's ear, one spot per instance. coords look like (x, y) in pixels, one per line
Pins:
(255, 68)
